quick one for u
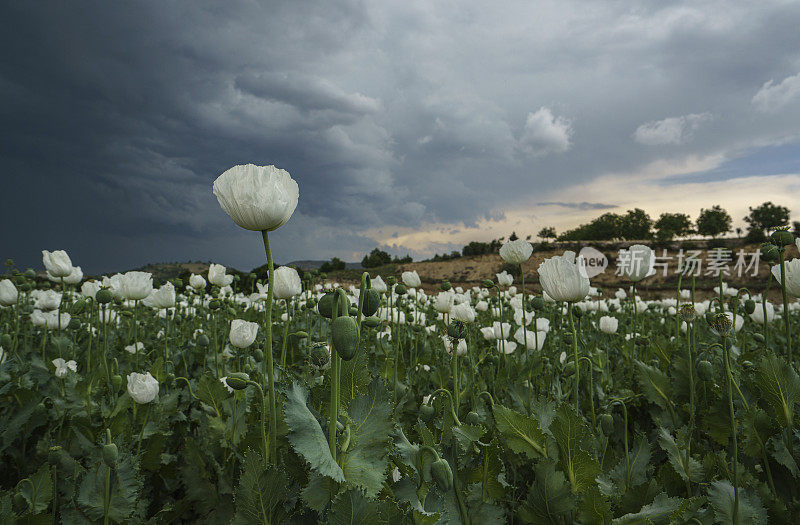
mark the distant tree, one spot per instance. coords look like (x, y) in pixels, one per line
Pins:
(671, 225)
(333, 265)
(376, 258)
(764, 218)
(635, 224)
(513, 236)
(548, 232)
(402, 260)
(604, 228)
(713, 221)
(796, 228)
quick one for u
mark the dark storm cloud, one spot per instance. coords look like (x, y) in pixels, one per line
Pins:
(580, 205)
(116, 117)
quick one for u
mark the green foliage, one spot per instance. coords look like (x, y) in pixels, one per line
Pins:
(780, 386)
(671, 225)
(750, 510)
(364, 462)
(351, 507)
(713, 221)
(550, 499)
(306, 435)
(375, 258)
(521, 433)
(574, 442)
(261, 493)
(767, 217)
(334, 265)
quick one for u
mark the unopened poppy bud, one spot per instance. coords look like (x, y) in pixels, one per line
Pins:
(577, 312)
(487, 283)
(237, 380)
(445, 286)
(607, 424)
(5, 341)
(705, 370)
(116, 381)
(300, 334)
(749, 306)
(259, 354)
(400, 289)
(372, 301)
(442, 474)
(537, 303)
(325, 305)
(473, 418)
(30, 274)
(371, 322)
(214, 304)
(782, 237)
(391, 280)
(426, 413)
(759, 337)
(352, 311)
(79, 305)
(344, 334)
(74, 323)
(231, 312)
(203, 341)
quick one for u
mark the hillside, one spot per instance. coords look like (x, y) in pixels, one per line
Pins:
(470, 271)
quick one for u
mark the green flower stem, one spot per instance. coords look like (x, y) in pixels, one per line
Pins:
(333, 416)
(456, 385)
(524, 302)
(575, 357)
(591, 390)
(289, 312)
(452, 405)
(787, 328)
(764, 309)
(677, 307)
(214, 347)
(264, 442)
(268, 366)
(635, 327)
(107, 496)
(141, 434)
(729, 381)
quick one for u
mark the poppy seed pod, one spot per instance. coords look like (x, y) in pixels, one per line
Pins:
(687, 312)
(344, 335)
(537, 303)
(445, 286)
(457, 330)
(372, 301)
(400, 289)
(104, 296)
(391, 280)
(30, 274)
(53, 455)
(721, 323)
(782, 237)
(770, 253)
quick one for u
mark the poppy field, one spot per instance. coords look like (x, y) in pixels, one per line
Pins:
(297, 399)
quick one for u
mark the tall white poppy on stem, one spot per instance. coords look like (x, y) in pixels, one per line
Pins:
(260, 198)
(517, 252)
(564, 279)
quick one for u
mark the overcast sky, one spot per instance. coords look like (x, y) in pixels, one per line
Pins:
(416, 126)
